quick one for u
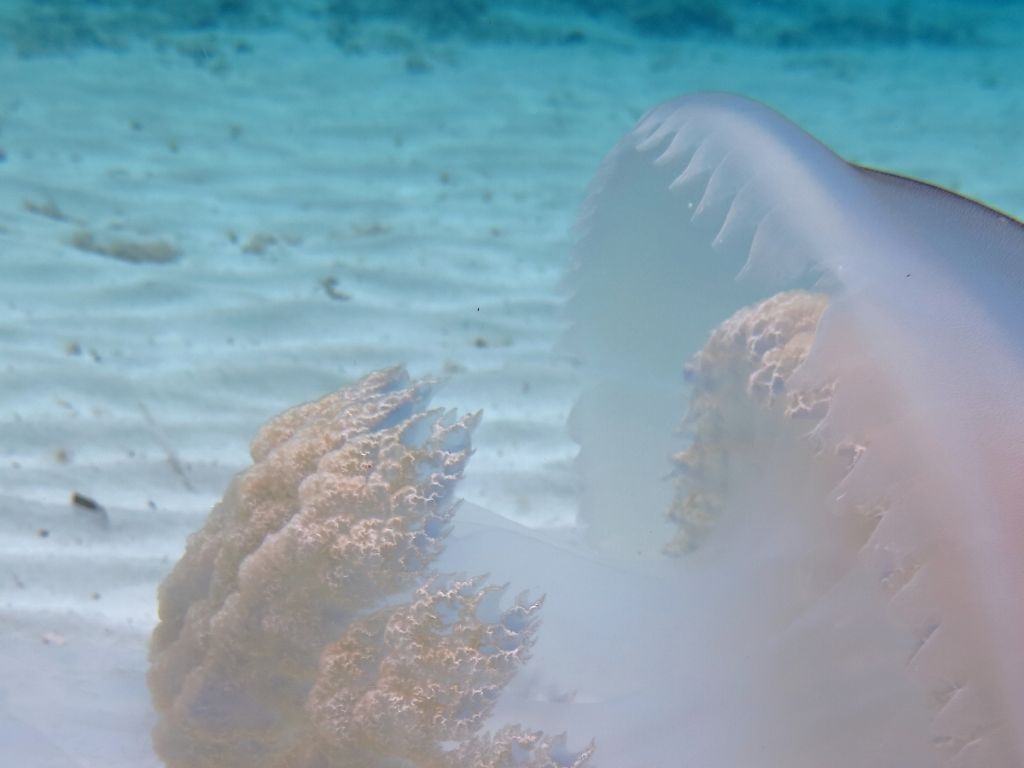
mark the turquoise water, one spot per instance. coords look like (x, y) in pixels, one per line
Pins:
(55, 27)
(213, 211)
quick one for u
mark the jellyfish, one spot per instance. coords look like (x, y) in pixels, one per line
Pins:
(801, 487)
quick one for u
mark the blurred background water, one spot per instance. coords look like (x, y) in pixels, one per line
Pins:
(952, 54)
(62, 26)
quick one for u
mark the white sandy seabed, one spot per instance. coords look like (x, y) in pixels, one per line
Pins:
(325, 214)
